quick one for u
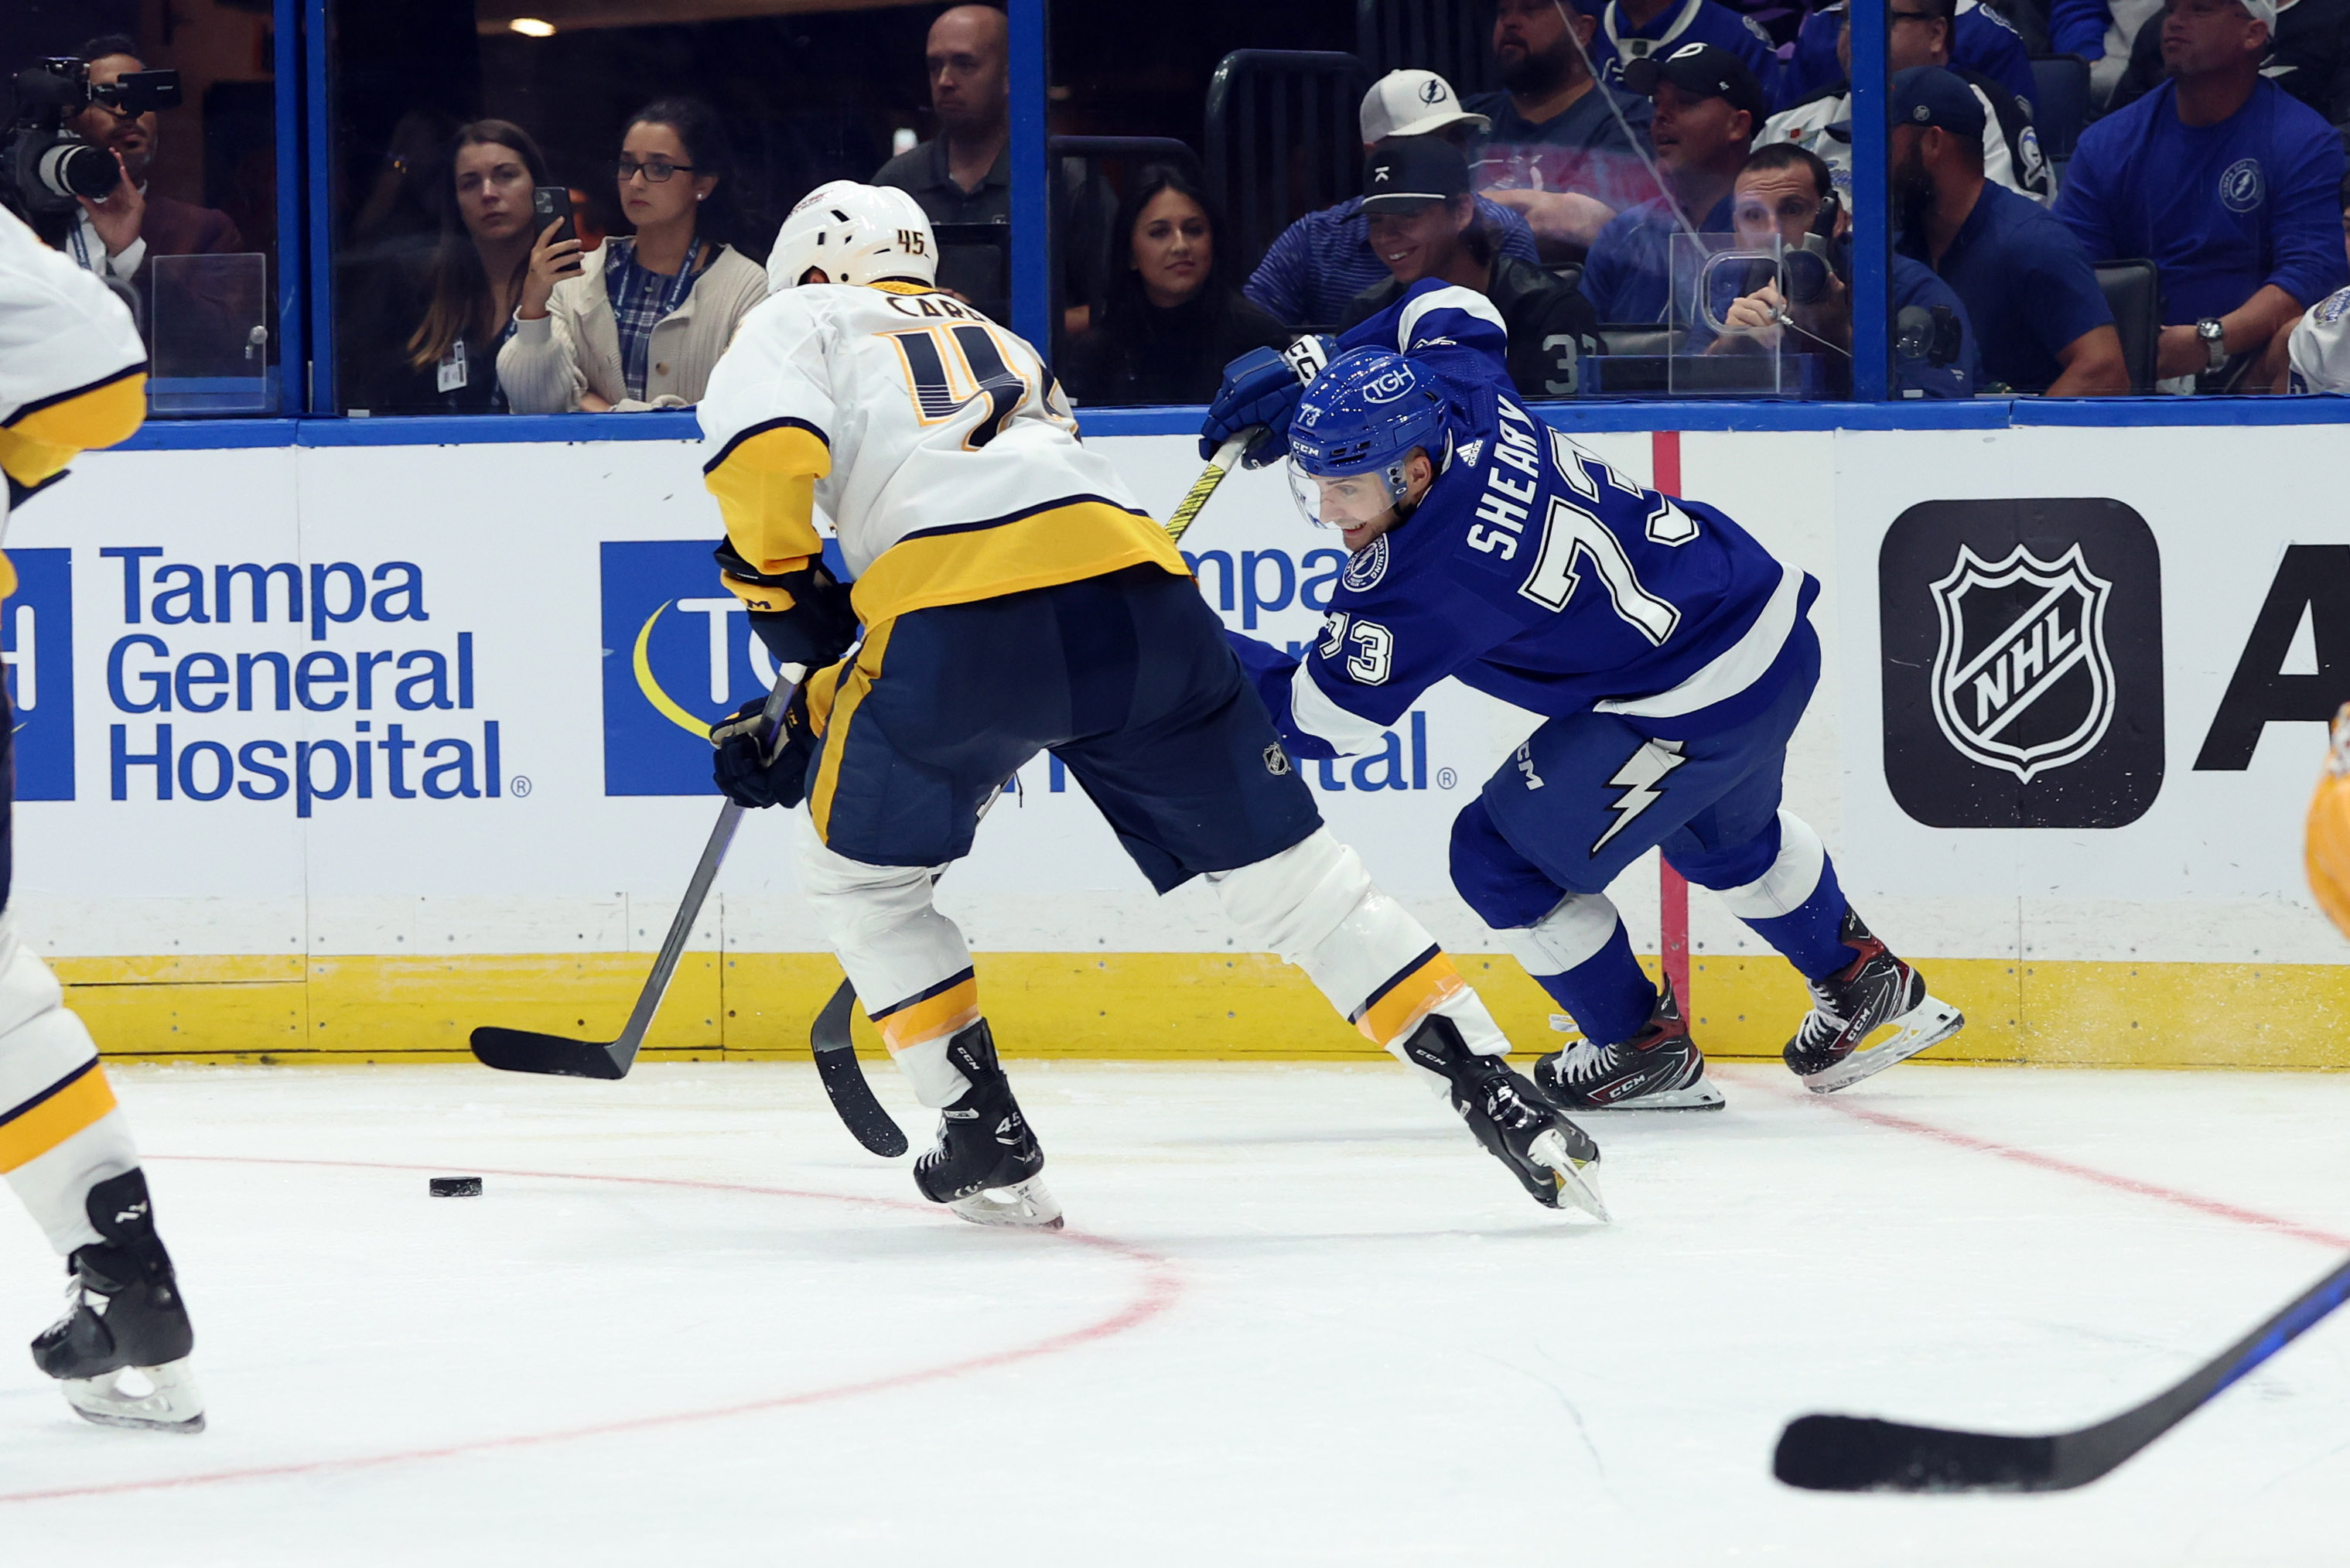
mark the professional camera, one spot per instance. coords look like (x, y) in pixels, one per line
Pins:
(44, 165)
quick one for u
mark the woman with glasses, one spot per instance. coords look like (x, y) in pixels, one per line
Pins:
(639, 321)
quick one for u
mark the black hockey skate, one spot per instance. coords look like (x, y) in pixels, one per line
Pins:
(1876, 991)
(1659, 1069)
(1551, 1156)
(123, 1312)
(986, 1163)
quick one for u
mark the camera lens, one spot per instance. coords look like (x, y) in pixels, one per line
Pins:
(1803, 277)
(79, 169)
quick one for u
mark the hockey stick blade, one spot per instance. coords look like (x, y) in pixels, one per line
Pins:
(1858, 1453)
(844, 1079)
(524, 1051)
(1228, 456)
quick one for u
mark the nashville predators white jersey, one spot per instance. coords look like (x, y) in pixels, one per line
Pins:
(935, 440)
(73, 374)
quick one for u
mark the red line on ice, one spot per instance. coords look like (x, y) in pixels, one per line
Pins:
(1158, 1290)
(2130, 1184)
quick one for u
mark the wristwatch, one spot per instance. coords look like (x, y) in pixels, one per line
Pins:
(2215, 340)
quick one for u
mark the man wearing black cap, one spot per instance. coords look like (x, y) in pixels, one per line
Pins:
(1708, 107)
(2040, 319)
(1424, 224)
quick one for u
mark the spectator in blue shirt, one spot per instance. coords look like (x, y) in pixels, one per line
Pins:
(1981, 40)
(2309, 56)
(2227, 183)
(1803, 306)
(1633, 30)
(1322, 261)
(2038, 318)
(1708, 107)
(1566, 152)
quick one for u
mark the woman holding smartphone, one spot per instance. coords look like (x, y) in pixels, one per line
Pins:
(428, 341)
(640, 321)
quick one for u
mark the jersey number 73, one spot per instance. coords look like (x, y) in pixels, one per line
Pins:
(1573, 530)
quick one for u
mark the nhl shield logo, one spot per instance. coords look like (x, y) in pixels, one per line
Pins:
(2021, 678)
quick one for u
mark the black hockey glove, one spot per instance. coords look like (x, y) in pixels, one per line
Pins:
(808, 620)
(743, 769)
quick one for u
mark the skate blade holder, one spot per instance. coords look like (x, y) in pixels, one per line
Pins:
(171, 1404)
(1578, 1185)
(1926, 1025)
(1027, 1206)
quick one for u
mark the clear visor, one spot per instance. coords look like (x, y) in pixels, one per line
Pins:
(1347, 502)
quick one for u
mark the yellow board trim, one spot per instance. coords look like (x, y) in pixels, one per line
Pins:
(1061, 545)
(1154, 1006)
(73, 1108)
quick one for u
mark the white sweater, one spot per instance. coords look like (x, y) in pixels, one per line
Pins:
(574, 347)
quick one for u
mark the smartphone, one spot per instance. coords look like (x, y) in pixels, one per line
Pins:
(548, 203)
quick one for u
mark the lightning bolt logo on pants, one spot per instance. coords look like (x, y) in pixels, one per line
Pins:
(1642, 772)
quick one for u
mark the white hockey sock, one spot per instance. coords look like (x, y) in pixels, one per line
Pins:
(60, 1132)
(908, 962)
(1791, 878)
(1571, 935)
(1315, 906)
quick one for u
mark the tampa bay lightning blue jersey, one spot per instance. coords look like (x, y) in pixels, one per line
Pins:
(1532, 571)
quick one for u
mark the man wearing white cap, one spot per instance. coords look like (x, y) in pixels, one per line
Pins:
(2228, 183)
(1566, 148)
(1322, 261)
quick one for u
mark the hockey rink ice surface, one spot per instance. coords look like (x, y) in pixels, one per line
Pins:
(1298, 1319)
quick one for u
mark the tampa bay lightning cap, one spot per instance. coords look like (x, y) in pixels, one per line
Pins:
(1929, 96)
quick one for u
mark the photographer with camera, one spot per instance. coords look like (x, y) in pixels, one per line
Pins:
(1785, 196)
(116, 234)
(2030, 290)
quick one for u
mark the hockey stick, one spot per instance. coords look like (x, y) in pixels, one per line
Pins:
(1227, 458)
(525, 1051)
(1857, 1453)
(844, 1078)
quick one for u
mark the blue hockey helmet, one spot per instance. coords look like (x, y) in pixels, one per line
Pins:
(1367, 412)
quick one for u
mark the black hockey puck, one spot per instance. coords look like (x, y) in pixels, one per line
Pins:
(456, 1186)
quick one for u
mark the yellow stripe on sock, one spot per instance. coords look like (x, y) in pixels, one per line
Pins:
(76, 1102)
(1409, 1000)
(949, 1012)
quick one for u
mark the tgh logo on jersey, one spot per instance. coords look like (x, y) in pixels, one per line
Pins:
(2021, 678)
(2021, 643)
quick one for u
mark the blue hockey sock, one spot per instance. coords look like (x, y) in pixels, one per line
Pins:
(1811, 934)
(1607, 995)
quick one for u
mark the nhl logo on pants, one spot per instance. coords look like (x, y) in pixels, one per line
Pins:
(2021, 643)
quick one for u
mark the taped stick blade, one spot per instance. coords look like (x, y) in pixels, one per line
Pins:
(844, 1079)
(524, 1051)
(1860, 1453)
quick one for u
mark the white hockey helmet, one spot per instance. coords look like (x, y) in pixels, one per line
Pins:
(854, 233)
